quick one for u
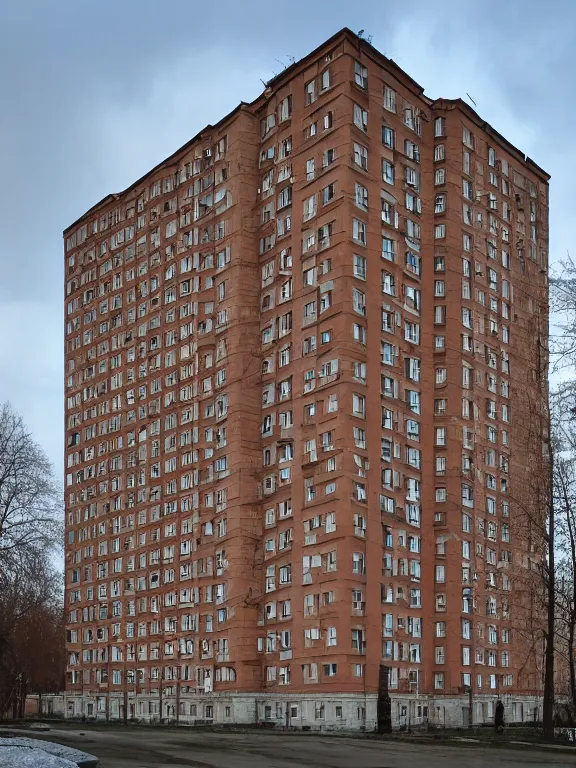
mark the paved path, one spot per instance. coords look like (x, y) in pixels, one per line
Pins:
(158, 748)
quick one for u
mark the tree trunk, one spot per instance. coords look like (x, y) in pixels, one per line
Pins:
(548, 703)
(571, 662)
(23, 694)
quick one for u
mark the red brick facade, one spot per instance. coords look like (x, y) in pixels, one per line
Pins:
(305, 382)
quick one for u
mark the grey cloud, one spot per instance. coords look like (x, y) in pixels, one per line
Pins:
(94, 93)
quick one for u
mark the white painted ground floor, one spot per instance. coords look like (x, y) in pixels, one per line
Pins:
(316, 712)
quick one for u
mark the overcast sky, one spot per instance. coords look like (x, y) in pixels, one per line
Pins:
(93, 93)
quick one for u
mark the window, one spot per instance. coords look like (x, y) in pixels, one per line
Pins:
(388, 284)
(413, 400)
(440, 407)
(467, 138)
(439, 231)
(359, 372)
(413, 178)
(359, 437)
(387, 321)
(440, 204)
(361, 156)
(360, 75)
(359, 405)
(412, 229)
(388, 136)
(309, 207)
(412, 368)
(285, 197)
(388, 354)
(359, 267)
(412, 263)
(361, 196)
(284, 109)
(439, 126)
(412, 332)
(388, 214)
(331, 636)
(310, 130)
(310, 169)
(359, 230)
(359, 333)
(310, 92)
(441, 376)
(389, 99)
(388, 172)
(412, 150)
(388, 248)
(359, 301)
(358, 641)
(412, 429)
(267, 124)
(358, 563)
(328, 157)
(360, 118)
(327, 194)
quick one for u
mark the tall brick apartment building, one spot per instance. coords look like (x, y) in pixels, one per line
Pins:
(305, 409)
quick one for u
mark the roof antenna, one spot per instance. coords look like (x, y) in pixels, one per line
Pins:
(368, 38)
(471, 99)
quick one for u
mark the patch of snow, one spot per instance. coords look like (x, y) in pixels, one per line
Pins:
(27, 757)
(75, 756)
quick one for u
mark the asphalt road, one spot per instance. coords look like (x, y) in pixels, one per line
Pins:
(159, 748)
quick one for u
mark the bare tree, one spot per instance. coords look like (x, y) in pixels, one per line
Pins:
(562, 450)
(30, 537)
(563, 309)
(30, 507)
(31, 612)
(565, 576)
(564, 501)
